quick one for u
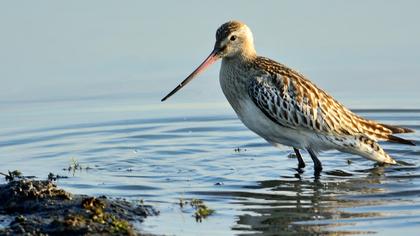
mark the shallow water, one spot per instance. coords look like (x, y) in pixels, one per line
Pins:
(161, 157)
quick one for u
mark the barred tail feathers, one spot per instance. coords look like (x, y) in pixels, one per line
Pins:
(395, 139)
(397, 129)
(378, 131)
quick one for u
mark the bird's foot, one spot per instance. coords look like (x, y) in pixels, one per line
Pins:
(301, 165)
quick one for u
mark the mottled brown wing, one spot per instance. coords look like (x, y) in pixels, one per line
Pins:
(296, 103)
(287, 98)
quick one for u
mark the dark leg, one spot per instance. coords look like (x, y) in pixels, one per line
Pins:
(317, 163)
(301, 164)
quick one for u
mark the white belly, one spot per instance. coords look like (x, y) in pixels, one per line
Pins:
(258, 122)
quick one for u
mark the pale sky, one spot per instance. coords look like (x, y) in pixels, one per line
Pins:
(365, 53)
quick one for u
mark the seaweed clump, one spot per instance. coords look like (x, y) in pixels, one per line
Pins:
(38, 207)
(202, 211)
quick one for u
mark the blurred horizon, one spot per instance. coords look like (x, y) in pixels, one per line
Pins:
(365, 54)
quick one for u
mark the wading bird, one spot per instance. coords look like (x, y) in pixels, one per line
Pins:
(285, 108)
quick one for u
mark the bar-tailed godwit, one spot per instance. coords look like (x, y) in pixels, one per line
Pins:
(285, 108)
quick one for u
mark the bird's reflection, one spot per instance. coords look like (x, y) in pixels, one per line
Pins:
(309, 206)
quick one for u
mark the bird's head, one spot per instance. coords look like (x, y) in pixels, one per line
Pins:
(233, 40)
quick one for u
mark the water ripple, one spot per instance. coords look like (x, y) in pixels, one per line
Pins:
(253, 186)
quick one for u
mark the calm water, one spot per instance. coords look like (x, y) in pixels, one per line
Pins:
(254, 191)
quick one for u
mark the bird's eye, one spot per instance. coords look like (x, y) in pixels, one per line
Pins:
(232, 38)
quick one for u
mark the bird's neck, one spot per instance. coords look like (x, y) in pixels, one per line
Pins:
(237, 67)
(247, 53)
(241, 59)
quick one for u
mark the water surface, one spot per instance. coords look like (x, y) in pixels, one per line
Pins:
(254, 189)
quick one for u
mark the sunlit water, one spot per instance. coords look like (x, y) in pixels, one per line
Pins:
(163, 155)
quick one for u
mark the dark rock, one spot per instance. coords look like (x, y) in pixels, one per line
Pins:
(40, 208)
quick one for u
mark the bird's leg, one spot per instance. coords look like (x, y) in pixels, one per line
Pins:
(301, 164)
(317, 163)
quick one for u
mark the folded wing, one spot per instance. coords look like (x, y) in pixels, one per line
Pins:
(292, 101)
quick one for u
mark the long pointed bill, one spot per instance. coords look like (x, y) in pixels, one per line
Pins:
(206, 63)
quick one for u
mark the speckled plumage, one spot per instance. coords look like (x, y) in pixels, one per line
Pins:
(296, 102)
